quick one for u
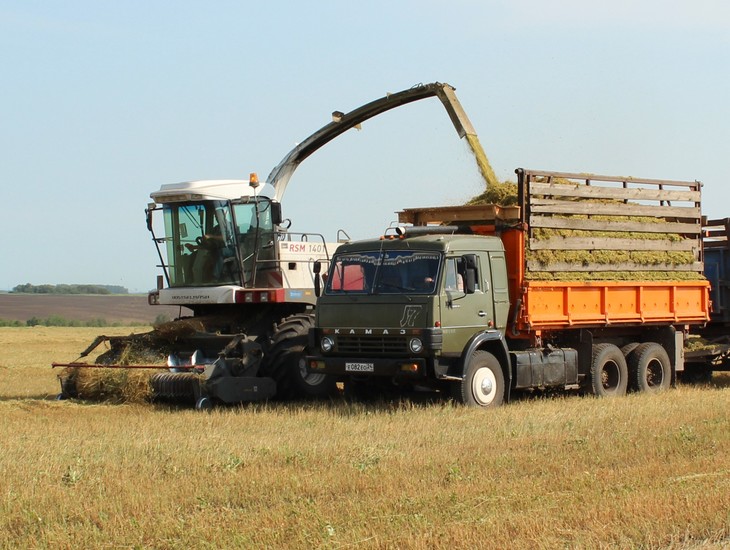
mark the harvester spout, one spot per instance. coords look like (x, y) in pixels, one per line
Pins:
(341, 122)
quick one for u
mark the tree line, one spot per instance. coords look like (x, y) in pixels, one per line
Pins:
(69, 289)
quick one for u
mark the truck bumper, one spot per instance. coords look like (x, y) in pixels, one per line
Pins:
(407, 367)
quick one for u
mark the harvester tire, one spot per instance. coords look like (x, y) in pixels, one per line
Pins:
(204, 404)
(284, 361)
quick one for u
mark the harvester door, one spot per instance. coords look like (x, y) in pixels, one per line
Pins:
(464, 314)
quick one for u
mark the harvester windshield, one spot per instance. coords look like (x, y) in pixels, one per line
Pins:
(211, 243)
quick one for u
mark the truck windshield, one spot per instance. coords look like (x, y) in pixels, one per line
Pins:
(384, 272)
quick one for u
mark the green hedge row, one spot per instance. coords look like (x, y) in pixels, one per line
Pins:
(58, 321)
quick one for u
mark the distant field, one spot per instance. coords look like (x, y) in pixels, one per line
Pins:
(114, 309)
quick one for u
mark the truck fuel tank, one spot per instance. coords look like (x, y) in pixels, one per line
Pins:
(545, 367)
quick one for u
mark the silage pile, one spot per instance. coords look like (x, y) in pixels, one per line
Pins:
(502, 193)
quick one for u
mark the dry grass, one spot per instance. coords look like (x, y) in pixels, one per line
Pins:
(114, 385)
(635, 472)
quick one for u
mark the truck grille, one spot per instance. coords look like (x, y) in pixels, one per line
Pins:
(371, 344)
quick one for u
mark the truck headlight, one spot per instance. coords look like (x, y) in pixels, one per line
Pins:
(327, 344)
(416, 345)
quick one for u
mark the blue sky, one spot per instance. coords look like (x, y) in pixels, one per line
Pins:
(103, 102)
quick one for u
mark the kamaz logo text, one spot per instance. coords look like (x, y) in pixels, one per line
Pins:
(370, 331)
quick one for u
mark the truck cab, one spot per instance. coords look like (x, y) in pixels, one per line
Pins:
(421, 303)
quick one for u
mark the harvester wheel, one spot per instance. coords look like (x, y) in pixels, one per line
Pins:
(609, 373)
(204, 404)
(284, 361)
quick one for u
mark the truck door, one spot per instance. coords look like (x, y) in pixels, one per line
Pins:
(500, 288)
(462, 314)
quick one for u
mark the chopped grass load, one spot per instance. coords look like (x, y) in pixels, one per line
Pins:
(629, 262)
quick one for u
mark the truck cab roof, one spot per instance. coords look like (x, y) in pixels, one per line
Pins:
(429, 242)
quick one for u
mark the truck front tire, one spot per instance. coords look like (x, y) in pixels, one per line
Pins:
(483, 382)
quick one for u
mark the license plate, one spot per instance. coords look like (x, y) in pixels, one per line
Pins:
(359, 367)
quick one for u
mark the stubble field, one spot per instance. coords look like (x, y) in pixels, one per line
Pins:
(636, 472)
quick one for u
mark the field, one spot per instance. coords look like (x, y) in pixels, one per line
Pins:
(79, 307)
(549, 472)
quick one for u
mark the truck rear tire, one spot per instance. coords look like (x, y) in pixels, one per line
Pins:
(609, 372)
(284, 361)
(483, 382)
(649, 368)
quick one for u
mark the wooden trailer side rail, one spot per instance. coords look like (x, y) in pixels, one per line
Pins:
(588, 226)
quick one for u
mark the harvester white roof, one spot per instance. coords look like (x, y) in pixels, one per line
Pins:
(187, 191)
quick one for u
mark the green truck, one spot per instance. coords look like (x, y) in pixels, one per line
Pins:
(590, 282)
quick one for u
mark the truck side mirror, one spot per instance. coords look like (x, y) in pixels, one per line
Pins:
(317, 268)
(470, 273)
(276, 218)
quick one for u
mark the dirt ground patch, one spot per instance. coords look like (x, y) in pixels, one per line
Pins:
(77, 307)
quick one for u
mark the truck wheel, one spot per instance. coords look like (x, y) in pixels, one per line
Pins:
(609, 373)
(483, 382)
(649, 368)
(284, 361)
